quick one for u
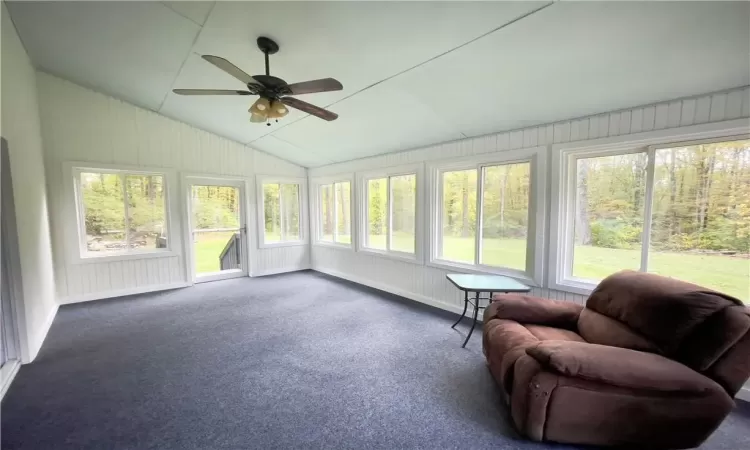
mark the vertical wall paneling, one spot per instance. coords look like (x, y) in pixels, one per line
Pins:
(428, 284)
(104, 130)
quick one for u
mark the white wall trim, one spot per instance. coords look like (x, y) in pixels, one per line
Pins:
(122, 293)
(301, 183)
(36, 345)
(315, 209)
(401, 293)
(264, 273)
(7, 374)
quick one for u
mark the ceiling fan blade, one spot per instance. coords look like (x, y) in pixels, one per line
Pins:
(230, 68)
(210, 92)
(316, 111)
(313, 86)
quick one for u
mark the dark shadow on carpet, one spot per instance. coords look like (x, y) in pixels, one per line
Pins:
(300, 360)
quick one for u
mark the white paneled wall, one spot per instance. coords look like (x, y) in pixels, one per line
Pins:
(427, 284)
(84, 126)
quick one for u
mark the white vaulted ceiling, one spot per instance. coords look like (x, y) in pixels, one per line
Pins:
(414, 73)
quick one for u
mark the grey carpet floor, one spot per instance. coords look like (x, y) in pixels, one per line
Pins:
(292, 361)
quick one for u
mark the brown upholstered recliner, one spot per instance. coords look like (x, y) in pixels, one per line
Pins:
(650, 362)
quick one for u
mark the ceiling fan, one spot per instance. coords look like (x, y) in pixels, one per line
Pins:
(274, 92)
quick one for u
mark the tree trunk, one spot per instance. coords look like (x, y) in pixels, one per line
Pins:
(583, 229)
(503, 188)
(672, 209)
(465, 205)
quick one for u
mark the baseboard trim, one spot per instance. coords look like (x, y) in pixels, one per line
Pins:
(7, 374)
(263, 273)
(744, 393)
(122, 293)
(391, 290)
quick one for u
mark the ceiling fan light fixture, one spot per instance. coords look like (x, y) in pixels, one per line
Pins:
(257, 118)
(261, 107)
(278, 110)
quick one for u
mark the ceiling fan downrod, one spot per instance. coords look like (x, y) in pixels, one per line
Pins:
(268, 46)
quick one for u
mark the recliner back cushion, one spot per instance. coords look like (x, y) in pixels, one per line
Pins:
(597, 328)
(714, 337)
(662, 310)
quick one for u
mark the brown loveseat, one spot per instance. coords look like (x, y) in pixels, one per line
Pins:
(650, 362)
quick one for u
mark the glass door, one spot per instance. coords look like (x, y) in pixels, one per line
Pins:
(217, 228)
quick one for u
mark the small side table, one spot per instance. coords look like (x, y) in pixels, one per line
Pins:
(479, 284)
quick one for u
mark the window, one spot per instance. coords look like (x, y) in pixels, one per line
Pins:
(334, 225)
(678, 210)
(121, 212)
(282, 213)
(610, 196)
(485, 215)
(391, 213)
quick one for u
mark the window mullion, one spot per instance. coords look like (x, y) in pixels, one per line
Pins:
(335, 213)
(127, 212)
(478, 224)
(281, 215)
(648, 209)
(389, 214)
(440, 216)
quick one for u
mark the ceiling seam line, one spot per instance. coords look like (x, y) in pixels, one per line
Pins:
(190, 52)
(517, 19)
(182, 15)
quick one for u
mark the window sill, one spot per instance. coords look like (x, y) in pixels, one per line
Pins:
(264, 245)
(398, 256)
(335, 245)
(579, 287)
(122, 257)
(483, 270)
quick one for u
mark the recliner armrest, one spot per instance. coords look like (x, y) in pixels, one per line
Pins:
(619, 367)
(528, 309)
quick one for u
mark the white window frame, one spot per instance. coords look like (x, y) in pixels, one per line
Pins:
(536, 241)
(261, 210)
(316, 224)
(419, 212)
(564, 157)
(75, 223)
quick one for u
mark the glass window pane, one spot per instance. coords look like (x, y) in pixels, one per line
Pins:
(343, 209)
(505, 215)
(459, 215)
(290, 200)
(103, 212)
(403, 221)
(147, 228)
(700, 228)
(215, 207)
(216, 223)
(271, 213)
(326, 213)
(377, 213)
(609, 196)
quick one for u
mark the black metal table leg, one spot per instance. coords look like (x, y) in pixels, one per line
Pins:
(466, 303)
(474, 323)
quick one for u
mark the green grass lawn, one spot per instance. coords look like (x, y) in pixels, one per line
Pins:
(727, 274)
(723, 273)
(207, 248)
